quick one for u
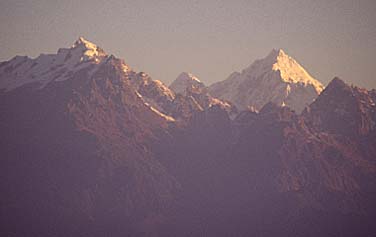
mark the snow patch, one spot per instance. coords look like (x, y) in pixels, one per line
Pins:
(168, 118)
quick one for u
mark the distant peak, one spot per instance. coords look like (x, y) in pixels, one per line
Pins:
(81, 41)
(86, 50)
(290, 70)
(187, 76)
(275, 53)
(338, 80)
(274, 57)
(185, 80)
(337, 83)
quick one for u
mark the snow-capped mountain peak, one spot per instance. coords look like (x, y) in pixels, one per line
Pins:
(185, 80)
(275, 53)
(87, 50)
(290, 70)
(83, 54)
(188, 76)
(82, 41)
(276, 78)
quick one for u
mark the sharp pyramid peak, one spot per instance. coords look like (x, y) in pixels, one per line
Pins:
(87, 49)
(187, 76)
(289, 69)
(185, 80)
(276, 53)
(274, 56)
(337, 83)
(84, 42)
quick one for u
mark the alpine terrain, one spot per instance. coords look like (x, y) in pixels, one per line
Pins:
(90, 147)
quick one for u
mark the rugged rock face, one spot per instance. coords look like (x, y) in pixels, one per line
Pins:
(105, 151)
(278, 78)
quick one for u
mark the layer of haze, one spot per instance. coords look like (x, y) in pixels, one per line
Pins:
(209, 38)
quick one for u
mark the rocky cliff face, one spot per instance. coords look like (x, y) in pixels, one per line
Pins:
(278, 78)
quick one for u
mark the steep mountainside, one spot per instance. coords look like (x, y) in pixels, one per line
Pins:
(75, 155)
(278, 78)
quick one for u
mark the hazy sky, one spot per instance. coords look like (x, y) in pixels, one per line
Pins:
(209, 38)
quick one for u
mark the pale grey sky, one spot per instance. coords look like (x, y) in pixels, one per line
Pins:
(209, 38)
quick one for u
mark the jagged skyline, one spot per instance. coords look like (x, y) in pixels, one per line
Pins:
(209, 39)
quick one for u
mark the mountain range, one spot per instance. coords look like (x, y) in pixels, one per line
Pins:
(90, 147)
